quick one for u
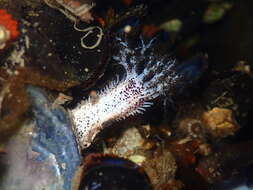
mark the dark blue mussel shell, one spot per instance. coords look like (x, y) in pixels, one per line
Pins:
(54, 136)
(44, 154)
(103, 172)
(193, 68)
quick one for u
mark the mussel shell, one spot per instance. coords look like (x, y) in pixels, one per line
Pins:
(55, 46)
(110, 172)
(44, 154)
(54, 136)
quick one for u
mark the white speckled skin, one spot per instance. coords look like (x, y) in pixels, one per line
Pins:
(126, 97)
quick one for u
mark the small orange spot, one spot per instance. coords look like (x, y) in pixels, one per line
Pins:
(101, 21)
(74, 4)
(93, 94)
(66, 1)
(127, 2)
(9, 23)
(150, 30)
(192, 159)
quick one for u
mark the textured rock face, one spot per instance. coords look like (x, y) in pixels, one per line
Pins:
(220, 122)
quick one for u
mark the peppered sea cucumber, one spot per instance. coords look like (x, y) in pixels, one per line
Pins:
(129, 96)
(133, 94)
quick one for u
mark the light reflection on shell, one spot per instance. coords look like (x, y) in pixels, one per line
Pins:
(73, 9)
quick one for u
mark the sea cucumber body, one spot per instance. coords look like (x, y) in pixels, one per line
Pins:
(132, 94)
(118, 101)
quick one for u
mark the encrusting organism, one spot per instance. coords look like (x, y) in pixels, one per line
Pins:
(8, 28)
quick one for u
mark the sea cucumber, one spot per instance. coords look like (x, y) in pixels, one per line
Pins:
(132, 94)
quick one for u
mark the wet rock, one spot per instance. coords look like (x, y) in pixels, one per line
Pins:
(225, 162)
(184, 151)
(220, 122)
(159, 164)
(205, 149)
(231, 91)
(128, 143)
(161, 169)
